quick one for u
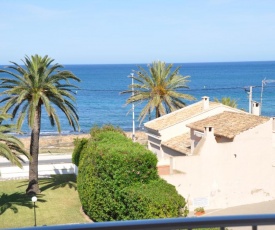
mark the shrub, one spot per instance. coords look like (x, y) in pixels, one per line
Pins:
(79, 145)
(107, 127)
(157, 199)
(199, 209)
(111, 164)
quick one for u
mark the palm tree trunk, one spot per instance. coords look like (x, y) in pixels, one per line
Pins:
(33, 186)
(157, 112)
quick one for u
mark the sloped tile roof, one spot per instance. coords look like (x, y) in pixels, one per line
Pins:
(229, 124)
(181, 143)
(179, 115)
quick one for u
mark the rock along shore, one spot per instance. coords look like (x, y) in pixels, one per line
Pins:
(65, 143)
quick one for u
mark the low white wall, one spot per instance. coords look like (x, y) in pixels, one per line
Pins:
(43, 170)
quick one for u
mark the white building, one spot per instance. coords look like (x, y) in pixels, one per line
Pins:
(225, 155)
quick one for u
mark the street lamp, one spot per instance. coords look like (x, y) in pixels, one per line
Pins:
(133, 107)
(34, 199)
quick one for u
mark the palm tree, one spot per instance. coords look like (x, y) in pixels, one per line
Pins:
(227, 101)
(158, 88)
(28, 89)
(11, 147)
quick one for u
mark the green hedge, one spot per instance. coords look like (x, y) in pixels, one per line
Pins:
(157, 199)
(110, 166)
(79, 145)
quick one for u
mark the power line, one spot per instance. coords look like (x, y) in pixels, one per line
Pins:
(188, 89)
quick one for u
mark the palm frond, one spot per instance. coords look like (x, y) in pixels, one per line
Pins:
(158, 86)
(39, 83)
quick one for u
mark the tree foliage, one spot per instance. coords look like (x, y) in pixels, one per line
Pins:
(11, 147)
(227, 101)
(158, 87)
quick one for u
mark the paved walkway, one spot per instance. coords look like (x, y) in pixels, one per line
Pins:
(267, 207)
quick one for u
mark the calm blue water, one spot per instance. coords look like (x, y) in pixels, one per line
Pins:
(99, 101)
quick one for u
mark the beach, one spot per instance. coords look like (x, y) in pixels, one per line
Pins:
(65, 143)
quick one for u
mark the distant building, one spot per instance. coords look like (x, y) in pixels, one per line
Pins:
(169, 136)
(225, 155)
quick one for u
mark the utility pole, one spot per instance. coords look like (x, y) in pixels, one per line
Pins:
(250, 99)
(133, 108)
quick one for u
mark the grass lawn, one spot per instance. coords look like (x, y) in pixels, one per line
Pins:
(58, 203)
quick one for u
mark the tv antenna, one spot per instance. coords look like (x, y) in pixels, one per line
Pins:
(264, 82)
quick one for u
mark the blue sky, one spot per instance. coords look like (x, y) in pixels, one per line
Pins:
(138, 31)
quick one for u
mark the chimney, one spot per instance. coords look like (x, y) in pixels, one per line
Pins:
(256, 108)
(208, 131)
(205, 103)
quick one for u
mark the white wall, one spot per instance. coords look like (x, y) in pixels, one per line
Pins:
(43, 170)
(230, 173)
(154, 145)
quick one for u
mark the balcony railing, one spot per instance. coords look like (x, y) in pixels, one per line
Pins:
(220, 222)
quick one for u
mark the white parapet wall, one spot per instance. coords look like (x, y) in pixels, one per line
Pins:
(43, 170)
(49, 164)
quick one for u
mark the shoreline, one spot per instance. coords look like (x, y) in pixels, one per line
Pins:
(61, 143)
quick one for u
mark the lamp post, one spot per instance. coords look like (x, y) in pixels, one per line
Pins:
(133, 107)
(34, 199)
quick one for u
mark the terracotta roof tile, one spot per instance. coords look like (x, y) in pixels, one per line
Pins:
(229, 124)
(181, 143)
(179, 115)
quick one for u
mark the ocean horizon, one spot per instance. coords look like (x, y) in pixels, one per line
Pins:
(98, 99)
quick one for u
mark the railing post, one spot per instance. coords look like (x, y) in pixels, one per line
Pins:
(254, 227)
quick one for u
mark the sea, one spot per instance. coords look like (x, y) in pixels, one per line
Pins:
(98, 98)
